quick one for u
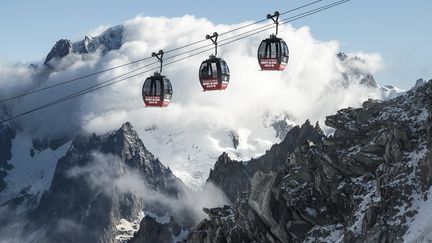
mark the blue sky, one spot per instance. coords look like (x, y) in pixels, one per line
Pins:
(399, 30)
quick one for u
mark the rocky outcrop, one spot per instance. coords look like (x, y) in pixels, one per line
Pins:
(357, 185)
(162, 232)
(61, 49)
(234, 177)
(231, 176)
(98, 182)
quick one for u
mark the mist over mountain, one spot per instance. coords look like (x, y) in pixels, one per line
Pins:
(258, 108)
(92, 188)
(80, 172)
(368, 182)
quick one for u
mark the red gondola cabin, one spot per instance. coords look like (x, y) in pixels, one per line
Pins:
(273, 54)
(214, 74)
(157, 91)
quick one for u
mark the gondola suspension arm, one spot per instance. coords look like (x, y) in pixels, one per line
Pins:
(159, 56)
(275, 18)
(215, 36)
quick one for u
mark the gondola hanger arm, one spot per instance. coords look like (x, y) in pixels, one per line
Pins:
(275, 18)
(159, 56)
(213, 38)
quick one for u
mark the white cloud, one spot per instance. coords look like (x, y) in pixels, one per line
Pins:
(372, 61)
(15, 79)
(192, 131)
(98, 30)
(109, 173)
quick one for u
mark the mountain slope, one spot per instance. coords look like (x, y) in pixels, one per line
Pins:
(364, 183)
(96, 190)
(269, 108)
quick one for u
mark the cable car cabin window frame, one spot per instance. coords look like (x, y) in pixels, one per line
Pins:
(285, 51)
(167, 87)
(157, 86)
(154, 86)
(273, 54)
(212, 70)
(168, 90)
(224, 68)
(272, 49)
(206, 71)
(216, 68)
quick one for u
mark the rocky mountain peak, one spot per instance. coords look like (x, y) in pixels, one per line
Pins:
(127, 129)
(354, 71)
(342, 56)
(97, 184)
(110, 39)
(368, 182)
(61, 49)
(234, 177)
(419, 82)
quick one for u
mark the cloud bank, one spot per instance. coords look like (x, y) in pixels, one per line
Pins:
(194, 130)
(108, 172)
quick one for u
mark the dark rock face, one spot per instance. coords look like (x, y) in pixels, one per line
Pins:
(89, 193)
(7, 134)
(234, 177)
(61, 49)
(111, 39)
(419, 83)
(357, 185)
(153, 231)
(231, 176)
(274, 159)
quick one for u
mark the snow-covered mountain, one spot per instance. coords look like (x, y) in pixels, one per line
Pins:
(368, 182)
(255, 112)
(369, 179)
(95, 188)
(110, 39)
(68, 168)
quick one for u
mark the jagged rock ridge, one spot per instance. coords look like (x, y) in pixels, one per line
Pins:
(354, 73)
(360, 184)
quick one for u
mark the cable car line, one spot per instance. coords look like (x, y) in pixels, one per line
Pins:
(108, 83)
(97, 87)
(292, 18)
(142, 59)
(159, 56)
(72, 80)
(263, 20)
(267, 27)
(215, 43)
